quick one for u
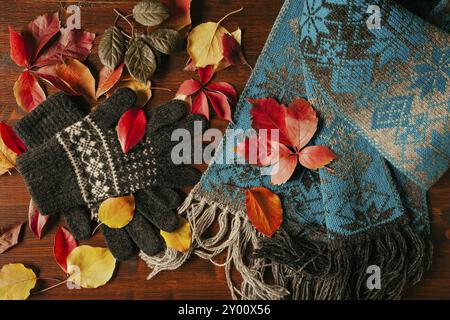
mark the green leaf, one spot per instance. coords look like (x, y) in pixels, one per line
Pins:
(165, 41)
(150, 13)
(140, 60)
(112, 47)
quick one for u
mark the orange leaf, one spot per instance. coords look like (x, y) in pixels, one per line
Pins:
(77, 76)
(315, 157)
(180, 13)
(301, 123)
(28, 92)
(264, 210)
(108, 78)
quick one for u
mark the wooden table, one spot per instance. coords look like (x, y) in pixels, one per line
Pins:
(197, 279)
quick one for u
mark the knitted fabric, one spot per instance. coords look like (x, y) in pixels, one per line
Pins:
(383, 100)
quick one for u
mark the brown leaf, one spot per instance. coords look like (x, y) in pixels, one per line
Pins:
(77, 76)
(10, 237)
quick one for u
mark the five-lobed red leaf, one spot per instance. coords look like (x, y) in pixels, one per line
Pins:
(65, 242)
(11, 140)
(131, 128)
(36, 220)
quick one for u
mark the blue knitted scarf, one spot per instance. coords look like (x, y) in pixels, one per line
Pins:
(383, 99)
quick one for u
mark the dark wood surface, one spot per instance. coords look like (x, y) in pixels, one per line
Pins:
(197, 279)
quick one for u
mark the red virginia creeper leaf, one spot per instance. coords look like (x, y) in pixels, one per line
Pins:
(220, 104)
(48, 73)
(180, 13)
(264, 210)
(232, 51)
(108, 78)
(225, 88)
(206, 74)
(315, 157)
(41, 30)
(20, 51)
(11, 140)
(10, 237)
(28, 92)
(200, 105)
(189, 87)
(131, 128)
(283, 169)
(71, 44)
(64, 244)
(301, 123)
(36, 220)
(256, 150)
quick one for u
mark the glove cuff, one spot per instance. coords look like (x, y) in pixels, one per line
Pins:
(54, 114)
(50, 179)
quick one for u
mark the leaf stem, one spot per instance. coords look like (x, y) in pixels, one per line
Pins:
(96, 228)
(230, 14)
(126, 19)
(159, 88)
(51, 287)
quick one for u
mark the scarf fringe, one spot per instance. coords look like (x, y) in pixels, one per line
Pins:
(304, 269)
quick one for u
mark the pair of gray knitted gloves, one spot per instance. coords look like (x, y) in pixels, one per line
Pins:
(74, 162)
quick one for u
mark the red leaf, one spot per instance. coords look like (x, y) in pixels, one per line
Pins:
(48, 73)
(108, 78)
(71, 44)
(180, 13)
(20, 52)
(269, 114)
(256, 150)
(315, 157)
(220, 104)
(11, 140)
(232, 51)
(131, 128)
(264, 210)
(200, 105)
(189, 87)
(28, 92)
(190, 65)
(206, 74)
(41, 30)
(10, 237)
(36, 220)
(283, 169)
(301, 123)
(225, 88)
(64, 244)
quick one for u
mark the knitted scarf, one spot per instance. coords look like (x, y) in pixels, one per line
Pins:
(383, 99)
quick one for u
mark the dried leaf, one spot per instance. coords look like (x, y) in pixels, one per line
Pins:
(63, 246)
(41, 30)
(77, 76)
(36, 220)
(143, 91)
(10, 237)
(264, 210)
(28, 92)
(150, 13)
(111, 49)
(257, 150)
(16, 281)
(301, 123)
(179, 239)
(20, 51)
(189, 87)
(200, 105)
(117, 212)
(316, 157)
(165, 41)
(90, 267)
(48, 73)
(232, 51)
(7, 158)
(11, 140)
(180, 13)
(131, 128)
(220, 105)
(140, 60)
(224, 88)
(74, 43)
(108, 78)
(285, 166)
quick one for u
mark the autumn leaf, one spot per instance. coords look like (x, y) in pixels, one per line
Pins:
(264, 210)
(11, 140)
(143, 91)
(90, 267)
(150, 13)
(7, 157)
(315, 157)
(131, 128)
(63, 246)
(36, 220)
(180, 13)
(108, 78)
(20, 51)
(16, 281)
(181, 238)
(10, 237)
(28, 92)
(117, 212)
(41, 30)
(48, 73)
(232, 50)
(77, 76)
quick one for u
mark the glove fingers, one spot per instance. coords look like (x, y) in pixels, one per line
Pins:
(118, 242)
(164, 197)
(108, 113)
(167, 114)
(172, 176)
(79, 222)
(145, 235)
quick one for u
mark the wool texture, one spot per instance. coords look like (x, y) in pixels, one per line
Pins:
(382, 95)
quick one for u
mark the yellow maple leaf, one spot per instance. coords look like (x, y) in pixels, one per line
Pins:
(117, 212)
(179, 239)
(16, 281)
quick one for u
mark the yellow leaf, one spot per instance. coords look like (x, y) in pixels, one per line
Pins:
(16, 281)
(205, 44)
(90, 267)
(237, 34)
(143, 91)
(7, 158)
(117, 212)
(77, 76)
(179, 239)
